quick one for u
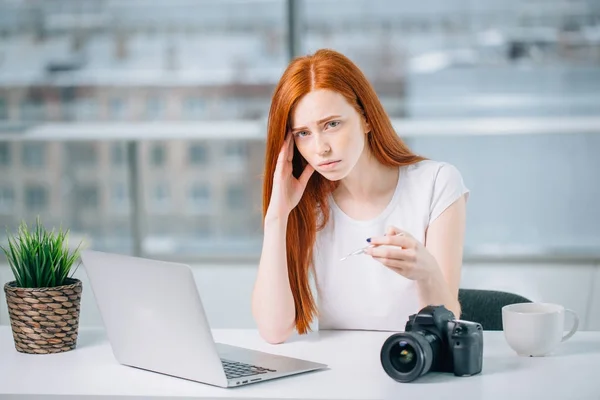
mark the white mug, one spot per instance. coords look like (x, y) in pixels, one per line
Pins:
(535, 329)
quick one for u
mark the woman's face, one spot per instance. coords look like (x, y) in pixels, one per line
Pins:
(328, 133)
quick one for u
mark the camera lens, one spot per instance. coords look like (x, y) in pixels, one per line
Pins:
(409, 355)
(403, 356)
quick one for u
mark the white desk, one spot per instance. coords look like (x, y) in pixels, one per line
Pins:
(355, 372)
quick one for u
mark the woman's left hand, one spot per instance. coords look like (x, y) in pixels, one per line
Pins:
(401, 252)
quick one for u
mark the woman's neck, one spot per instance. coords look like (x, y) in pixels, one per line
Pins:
(369, 182)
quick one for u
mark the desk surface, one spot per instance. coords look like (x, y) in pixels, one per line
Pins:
(354, 371)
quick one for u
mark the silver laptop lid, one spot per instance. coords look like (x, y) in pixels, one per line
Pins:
(154, 316)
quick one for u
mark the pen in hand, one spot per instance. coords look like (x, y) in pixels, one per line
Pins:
(362, 250)
(356, 252)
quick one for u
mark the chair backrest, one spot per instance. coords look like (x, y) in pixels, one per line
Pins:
(485, 306)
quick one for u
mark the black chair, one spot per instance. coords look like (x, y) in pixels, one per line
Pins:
(485, 306)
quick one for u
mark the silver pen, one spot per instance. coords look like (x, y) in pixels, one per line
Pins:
(362, 249)
(356, 252)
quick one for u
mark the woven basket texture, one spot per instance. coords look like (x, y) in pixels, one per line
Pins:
(44, 320)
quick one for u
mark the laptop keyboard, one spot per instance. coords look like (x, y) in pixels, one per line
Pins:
(235, 369)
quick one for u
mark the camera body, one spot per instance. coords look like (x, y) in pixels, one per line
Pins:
(434, 341)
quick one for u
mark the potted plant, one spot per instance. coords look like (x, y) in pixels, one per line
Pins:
(44, 299)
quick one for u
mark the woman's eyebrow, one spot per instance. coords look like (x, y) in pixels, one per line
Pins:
(319, 122)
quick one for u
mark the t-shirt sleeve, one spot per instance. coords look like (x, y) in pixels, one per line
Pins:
(448, 187)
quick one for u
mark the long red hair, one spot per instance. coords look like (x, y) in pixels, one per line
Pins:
(325, 69)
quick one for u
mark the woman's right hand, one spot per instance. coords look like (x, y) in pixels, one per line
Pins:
(287, 189)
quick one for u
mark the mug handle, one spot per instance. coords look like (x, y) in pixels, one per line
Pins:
(575, 325)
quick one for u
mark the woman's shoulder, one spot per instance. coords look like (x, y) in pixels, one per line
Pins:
(438, 181)
(433, 170)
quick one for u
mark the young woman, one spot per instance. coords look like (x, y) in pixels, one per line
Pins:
(338, 178)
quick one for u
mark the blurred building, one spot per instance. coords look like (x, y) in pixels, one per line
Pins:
(98, 61)
(65, 61)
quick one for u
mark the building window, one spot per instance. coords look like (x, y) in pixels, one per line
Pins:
(158, 154)
(82, 153)
(3, 109)
(5, 154)
(161, 197)
(236, 196)
(86, 109)
(236, 156)
(34, 154)
(120, 197)
(202, 227)
(193, 108)
(32, 111)
(118, 153)
(198, 154)
(116, 108)
(87, 196)
(154, 108)
(7, 199)
(236, 150)
(200, 197)
(36, 198)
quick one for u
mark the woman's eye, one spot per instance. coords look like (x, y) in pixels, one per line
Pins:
(301, 134)
(333, 124)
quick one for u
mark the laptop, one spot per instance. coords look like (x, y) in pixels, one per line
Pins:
(155, 320)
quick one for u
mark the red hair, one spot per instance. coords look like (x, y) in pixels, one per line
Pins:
(325, 69)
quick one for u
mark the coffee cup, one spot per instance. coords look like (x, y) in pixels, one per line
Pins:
(536, 329)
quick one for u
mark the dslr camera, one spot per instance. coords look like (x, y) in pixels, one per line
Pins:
(433, 341)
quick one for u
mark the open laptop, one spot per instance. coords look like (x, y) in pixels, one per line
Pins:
(155, 320)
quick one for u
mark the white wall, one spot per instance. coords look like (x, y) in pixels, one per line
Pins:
(226, 289)
(575, 286)
(225, 292)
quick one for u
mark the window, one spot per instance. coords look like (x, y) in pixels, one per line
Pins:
(155, 108)
(202, 227)
(34, 155)
(120, 197)
(36, 198)
(161, 197)
(142, 71)
(236, 196)
(87, 196)
(3, 109)
(158, 154)
(7, 199)
(236, 150)
(198, 154)
(116, 109)
(67, 94)
(118, 154)
(236, 156)
(531, 61)
(32, 111)
(86, 109)
(233, 107)
(5, 154)
(200, 197)
(194, 108)
(82, 153)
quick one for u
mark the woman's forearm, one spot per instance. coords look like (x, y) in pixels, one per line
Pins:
(272, 300)
(435, 291)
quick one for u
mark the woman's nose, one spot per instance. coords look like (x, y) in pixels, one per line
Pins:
(322, 147)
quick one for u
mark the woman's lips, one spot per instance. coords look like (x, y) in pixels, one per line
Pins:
(329, 165)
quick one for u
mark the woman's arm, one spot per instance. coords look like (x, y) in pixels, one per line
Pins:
(273, 305)
(444, 239)
(272, 300)
(436, 265)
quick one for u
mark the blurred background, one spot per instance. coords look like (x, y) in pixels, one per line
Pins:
(140, 126)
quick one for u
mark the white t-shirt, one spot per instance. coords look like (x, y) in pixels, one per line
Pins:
(361, 293)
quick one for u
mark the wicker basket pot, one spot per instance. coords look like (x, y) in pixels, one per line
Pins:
(44, 320)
